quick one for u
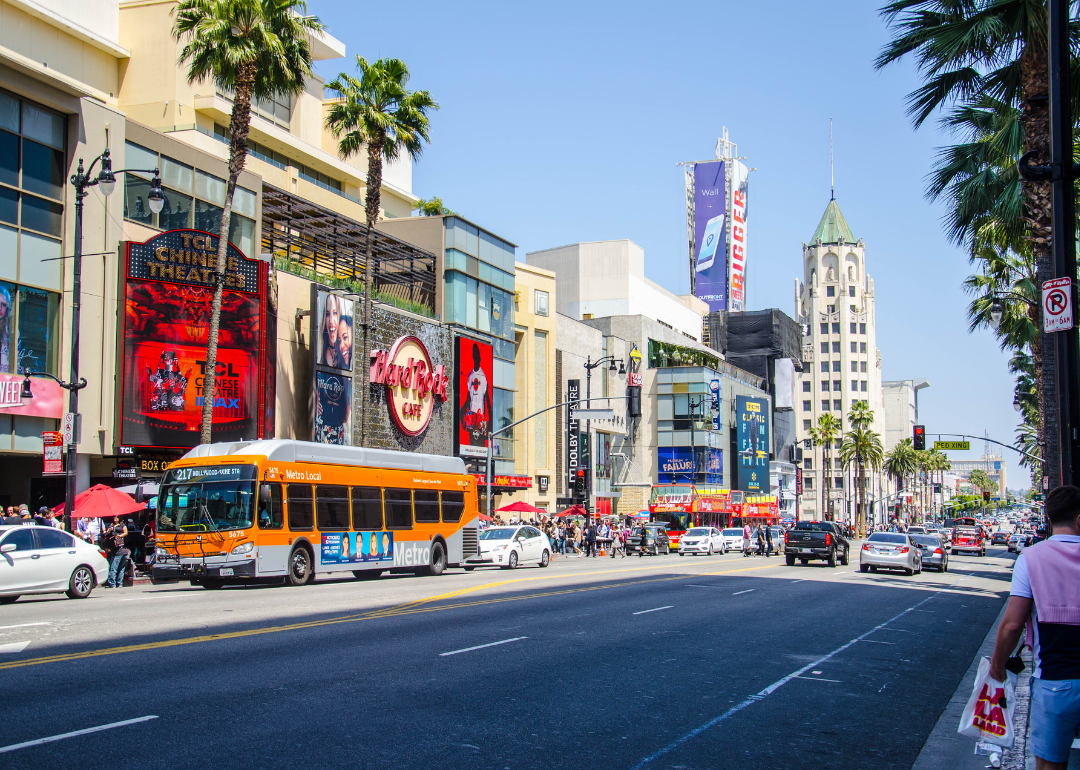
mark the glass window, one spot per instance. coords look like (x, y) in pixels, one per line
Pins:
(271, 513)
(825, 348)
(837, 385)
(9, 206)
(228, 505)
(176, 211)
(34, 269)
(837, 405)
(367, 508)
(9, 112)
(836, 347)
(854, 385)
(242, 234)
(806, 406)
(138, 157)
(9, 158)
(472, 241)
(824, 404)
(824, 367)
(806, 386)
(825, 328)
(863, 386)
(541, 302)
(806, 423)
(136, 200)
(211, 188)
(808, 483)
(47, 537)
(853, 347)
(453, 506)
(484, 273)
(839, 484)
(7, 291)
(483, 313)
(836, 328)
(332, 506)
(851, 290)
(470, 302)
(503, 409)
(301, 508)
(862, 366)
(854, 366)
(502, 314)
(42, 215)
(399, 513)
(862, 347)
(244, 201)
(426, 503)
(852, 329)
(830, 291)
(808, 464)
(208, 217)
(836, 366)
(824, 384)
(862, 328)
(177, 175)
(43, 169)
(42, 126)
(38, 315)
(853, 310)
(455, 260)
(22, 538)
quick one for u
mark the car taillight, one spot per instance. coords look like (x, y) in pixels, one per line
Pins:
(904, 549)
(785, 538)
(103, 553)
(938, 551)
(828, 539)
(866, 546)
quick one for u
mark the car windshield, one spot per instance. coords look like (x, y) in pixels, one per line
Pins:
(887, 537)
(497, 534)
(207, 499)
(929, 540)
(732, 533)
(697, 532)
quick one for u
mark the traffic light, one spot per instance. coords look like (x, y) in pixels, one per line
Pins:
(579, 483)
(918, 436)
(986, 497)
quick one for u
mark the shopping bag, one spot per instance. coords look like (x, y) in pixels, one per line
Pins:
(988, 715)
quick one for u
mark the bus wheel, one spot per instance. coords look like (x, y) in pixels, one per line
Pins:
(438, 561)
(213, 585)
(299, 567)
(366, 574)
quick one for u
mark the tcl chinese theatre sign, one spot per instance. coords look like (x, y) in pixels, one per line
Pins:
(412, 383)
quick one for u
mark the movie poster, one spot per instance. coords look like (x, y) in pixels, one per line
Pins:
(473, 412)
(333, 412)
(167, 299)
(334, 331)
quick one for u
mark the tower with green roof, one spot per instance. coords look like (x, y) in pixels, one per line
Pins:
(841, 363)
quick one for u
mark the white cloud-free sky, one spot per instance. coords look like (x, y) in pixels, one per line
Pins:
(564, 122)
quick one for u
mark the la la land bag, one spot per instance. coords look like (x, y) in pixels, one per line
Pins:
(988, 715)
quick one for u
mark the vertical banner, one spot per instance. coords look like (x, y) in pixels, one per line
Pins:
(53, 441)
(333, 347)
(710, 234)
(473, 370)
(737, 243)
(573, 435)
(753, 437)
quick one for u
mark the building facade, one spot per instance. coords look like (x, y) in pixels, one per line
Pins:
(900, 401)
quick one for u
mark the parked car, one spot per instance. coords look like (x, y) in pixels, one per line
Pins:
(732, 538)
(890, 550)
(1000, 538)
(816, 540)
(702, 540)
(656, 539)
(507, 547)
(933, 552)
(45, 560)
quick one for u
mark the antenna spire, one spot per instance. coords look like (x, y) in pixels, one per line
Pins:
(832, 168)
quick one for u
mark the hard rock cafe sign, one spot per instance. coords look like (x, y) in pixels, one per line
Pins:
(412, 383)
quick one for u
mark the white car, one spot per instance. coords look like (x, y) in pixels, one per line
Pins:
(732, 538)
(46, 560)
(702, 540)
(507, 547)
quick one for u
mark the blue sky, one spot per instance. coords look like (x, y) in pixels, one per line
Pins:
(564, 122)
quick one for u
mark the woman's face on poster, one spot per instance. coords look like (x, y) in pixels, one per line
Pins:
(331, 318)
(345, 340)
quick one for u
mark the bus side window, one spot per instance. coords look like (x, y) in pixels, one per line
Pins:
(426, 502)
(367, 508)
(398, 508)
(332, 506)
(301, 508)
(453, 506)
(271, 513)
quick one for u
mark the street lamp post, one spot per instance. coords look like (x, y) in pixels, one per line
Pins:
(82, 181)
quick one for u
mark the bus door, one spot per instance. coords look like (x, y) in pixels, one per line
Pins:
(273, 539)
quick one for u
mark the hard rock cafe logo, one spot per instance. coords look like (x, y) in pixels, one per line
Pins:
(412, 383)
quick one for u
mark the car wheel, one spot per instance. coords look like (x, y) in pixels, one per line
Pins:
(468, 569)
(873, 569)
(366, 574)
(681, 553)
(908, 571)
(710, 550)
(919, 570)
(667, 549)
(213, 585)
(8, 599)
(437, 565)
(790, 560)
(804, 561)
(832, 558)
(299, 567)
(545, 558)
(81, 583)
(511, 560)
(952, 552)
(844, 558)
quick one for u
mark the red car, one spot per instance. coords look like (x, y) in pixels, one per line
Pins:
(968, 538)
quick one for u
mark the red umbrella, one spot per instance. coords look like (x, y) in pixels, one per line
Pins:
(573, 510)
(521, 507)
(100, 501)
(485, 517)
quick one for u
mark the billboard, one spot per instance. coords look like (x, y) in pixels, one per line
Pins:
(737, 241)
(683, 465)
(710, 252)
(753, 437)
(334, 351)
(168, 289)
(473, 370)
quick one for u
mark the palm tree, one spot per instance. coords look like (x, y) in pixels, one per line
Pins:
(377, 113)
(825, 433)
(861, 448)
(254, 49)
(432, 207)
(900, 462)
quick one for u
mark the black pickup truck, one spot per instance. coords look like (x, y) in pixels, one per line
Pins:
(816, 540)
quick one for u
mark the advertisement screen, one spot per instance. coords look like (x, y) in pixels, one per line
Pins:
(166, 329)
(334, 331)
(333, 409)
(474, 376)
(710, 234)
(753, 438)
(737, 253)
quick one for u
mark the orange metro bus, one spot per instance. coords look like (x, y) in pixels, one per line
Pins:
(282, 510)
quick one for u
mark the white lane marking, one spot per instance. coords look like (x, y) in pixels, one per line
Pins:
(817, 673)
(654, 609)
(748, 590)
(25, 625)
(875, 641)
(800, 580)
(482, 646)
(695, 585)
(13, 647)
(815, 679)
(751, 699)
(87, 731)
(842, 572)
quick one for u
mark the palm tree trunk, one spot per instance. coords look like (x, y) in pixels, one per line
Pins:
(372, 196)
(239, 126)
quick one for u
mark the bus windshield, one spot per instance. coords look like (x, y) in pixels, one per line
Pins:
(672, 494)
(207, 499)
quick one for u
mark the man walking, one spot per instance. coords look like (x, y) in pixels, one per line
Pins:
(768, 540)
(1045, 598)
(746, 539)
(590, 540)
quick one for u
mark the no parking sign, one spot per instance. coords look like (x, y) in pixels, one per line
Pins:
(1057, 305)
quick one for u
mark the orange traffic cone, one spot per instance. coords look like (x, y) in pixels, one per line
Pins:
(603, 551)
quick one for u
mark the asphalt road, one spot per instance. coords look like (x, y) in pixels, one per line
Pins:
(665, 662)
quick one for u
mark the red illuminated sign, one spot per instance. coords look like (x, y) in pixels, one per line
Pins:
(516, 482)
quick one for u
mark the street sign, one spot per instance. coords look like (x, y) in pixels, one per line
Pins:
(952, 446)
(54, 452)
(69, 428)
(1057, 305)
(594, 414)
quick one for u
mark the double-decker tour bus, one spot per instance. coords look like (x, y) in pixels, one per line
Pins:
(682, 506)
(282, 510)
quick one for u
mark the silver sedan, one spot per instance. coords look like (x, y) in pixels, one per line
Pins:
(934, 553)
(890, 550)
